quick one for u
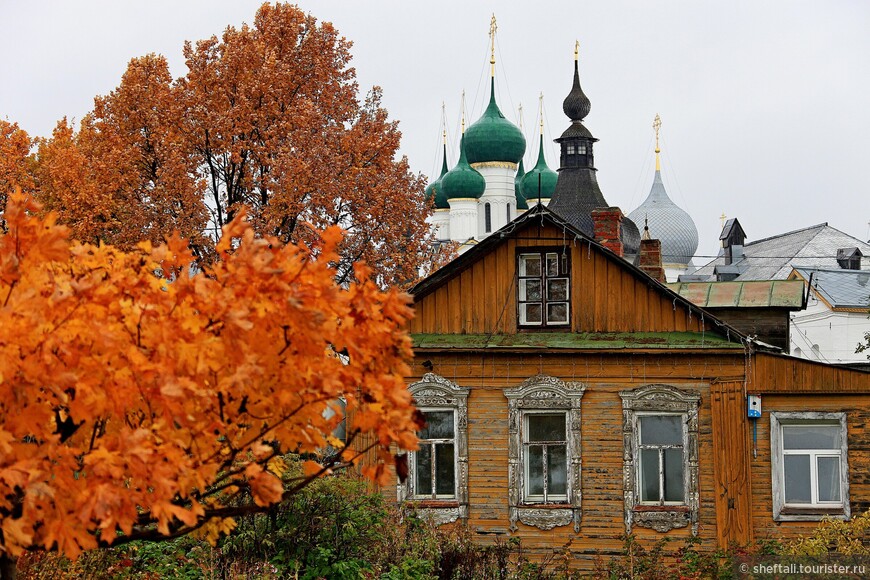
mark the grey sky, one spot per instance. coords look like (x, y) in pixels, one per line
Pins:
(764, 105)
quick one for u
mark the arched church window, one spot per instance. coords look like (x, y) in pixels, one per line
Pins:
(487, 217)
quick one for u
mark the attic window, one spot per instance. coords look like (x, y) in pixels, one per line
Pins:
(849, 258)
(543, 296)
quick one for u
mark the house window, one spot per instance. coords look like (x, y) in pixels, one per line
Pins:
(544, 453)
(438, 472)
(545, 446)
(435, 461)
(660, 431)
(487, 217)
(661, 471)
(809, 468)
(544, 288)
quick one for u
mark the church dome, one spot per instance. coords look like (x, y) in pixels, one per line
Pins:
(548, 178)
(435, 187)
(493, 137)
(668, 223)
(463, 181)
(518, 190)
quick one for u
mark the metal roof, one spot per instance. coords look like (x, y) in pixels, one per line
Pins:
(763, 294)
(773, 258)
(840, 288)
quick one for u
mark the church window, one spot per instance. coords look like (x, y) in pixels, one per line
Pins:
(544, 288)
(581, 148)
(509, 218)
(487, 217)
(570, 148)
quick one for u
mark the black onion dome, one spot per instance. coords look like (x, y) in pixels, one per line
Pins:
(576, 105)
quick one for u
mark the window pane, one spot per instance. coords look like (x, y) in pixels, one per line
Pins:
(797, 479)
(535, 459)
(530, 290)
(828, 471)
(581, 148)
(661, 430)
(552, 264)
(547, 427)
(530, 265)
(557, 470)
(570, 148)
(649, 475)
(423, 466)
(439, 425)
(444, 471)
(811, 436)
(557, 313)
(530, 313)
(557, 289)
(674, 475)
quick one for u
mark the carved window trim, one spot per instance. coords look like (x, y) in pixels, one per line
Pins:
(666, 400)
(544, 393)
(435, 393)
(783, 512)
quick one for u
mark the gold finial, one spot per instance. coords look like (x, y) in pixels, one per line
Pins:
(492, 28)
(576, 50)
(463, 111)
(657, 124)
(444, 122)
(541, 110)
(722, 220)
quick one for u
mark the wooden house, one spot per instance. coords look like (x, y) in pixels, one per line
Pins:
(571, 398)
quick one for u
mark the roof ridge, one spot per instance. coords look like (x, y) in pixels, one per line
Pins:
(819, 226)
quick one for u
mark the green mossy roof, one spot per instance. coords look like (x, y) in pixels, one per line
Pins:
(572, 340)
(493, 137)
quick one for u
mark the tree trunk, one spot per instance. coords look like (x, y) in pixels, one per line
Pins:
(8, 569)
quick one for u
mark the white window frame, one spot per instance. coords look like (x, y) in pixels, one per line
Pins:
(436, 393)
(413, 493)
(660, 399)
(640, 446)
(544, 497)
(563, 267)
(547, 395)
(814, 511)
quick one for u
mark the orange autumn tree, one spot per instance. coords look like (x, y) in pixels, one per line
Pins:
(139, 400)
(268, 120)
(16, 163)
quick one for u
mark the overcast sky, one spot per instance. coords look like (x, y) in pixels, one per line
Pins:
(765, 106)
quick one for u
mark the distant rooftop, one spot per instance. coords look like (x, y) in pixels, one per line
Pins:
(846, 289)
(772, 258)
(762, 294)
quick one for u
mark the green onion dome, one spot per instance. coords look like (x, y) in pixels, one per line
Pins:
(549, 177)
(463, 180)
(494, 138)
(518, 190)
(435, 188)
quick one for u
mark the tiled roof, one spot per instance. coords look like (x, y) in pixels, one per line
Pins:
(773, 258)
(840, 288)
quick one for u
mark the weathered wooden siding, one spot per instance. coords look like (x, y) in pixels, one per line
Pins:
(857, 409)
(602, 523)
(605, 296)
(784, 374)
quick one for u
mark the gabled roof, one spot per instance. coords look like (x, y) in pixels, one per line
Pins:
(772, 258)
(540, 215)
(788, 294)
(839, 289)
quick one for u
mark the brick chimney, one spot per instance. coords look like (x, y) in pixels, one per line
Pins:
(651, 259)
(607, 224)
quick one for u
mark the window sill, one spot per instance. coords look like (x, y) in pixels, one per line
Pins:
(546, 516)
(433, 503)
(661, 518)
(547, 506)
(439, 512)
(795, 514)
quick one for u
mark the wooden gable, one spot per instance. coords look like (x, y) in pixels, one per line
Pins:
(477, 292)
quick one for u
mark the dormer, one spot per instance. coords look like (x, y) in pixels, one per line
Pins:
(849, 258)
